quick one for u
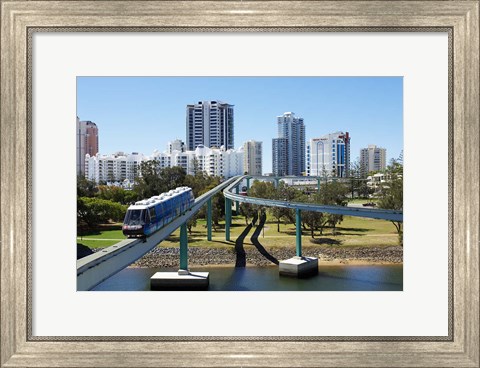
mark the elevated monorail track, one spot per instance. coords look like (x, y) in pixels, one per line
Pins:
(374, 213)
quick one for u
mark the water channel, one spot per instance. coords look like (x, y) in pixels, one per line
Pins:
(330, 278)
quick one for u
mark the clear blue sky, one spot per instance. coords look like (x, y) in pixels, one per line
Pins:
(140, 114)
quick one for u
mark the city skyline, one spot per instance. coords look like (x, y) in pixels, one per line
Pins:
(141, 114)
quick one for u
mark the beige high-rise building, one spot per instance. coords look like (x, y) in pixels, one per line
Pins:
(372, 158)
(87, 143)
(252, 157)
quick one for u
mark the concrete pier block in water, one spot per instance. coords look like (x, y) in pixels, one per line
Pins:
(181, 280)
(299, 267)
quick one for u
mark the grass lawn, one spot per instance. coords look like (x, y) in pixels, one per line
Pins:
(105, 236)
(352, 232)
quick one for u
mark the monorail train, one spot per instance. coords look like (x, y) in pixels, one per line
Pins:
(148, 215)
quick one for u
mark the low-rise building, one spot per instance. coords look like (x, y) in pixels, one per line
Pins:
(119, 166)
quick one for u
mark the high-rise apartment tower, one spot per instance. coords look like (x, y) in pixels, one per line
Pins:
(372, 158)
(210, 123)
(87, 143)
(252, 157)
(288, 150)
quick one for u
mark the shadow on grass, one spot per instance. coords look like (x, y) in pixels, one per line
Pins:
(176, 239)
(339, 231)
(84, 231)
(354, 229)
(256, 243)
(88, 232)
(294, 232)
(326, 241)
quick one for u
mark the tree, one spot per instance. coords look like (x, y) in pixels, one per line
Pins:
(358, 184)
(201, 183)
(287, 194)
(333, 194)
(173, 177)
(391, 192)
(96, 211)
(85, 187)
(311, 220)
(111, 193)
(196, 166)
(154, 180)
(218, 210)
(148, 183)
(333, 220)
(248, 210)
(262, 189)
(314, 221)
(192, 223)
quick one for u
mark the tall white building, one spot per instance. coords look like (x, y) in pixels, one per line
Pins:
(210, 124)
(329, 155)
(372, 158)
(288, 149)
(252, 157)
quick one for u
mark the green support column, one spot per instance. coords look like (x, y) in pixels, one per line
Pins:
(183, 247)
(248, 183)
(228, 218)
(298, 220)
(209, 219)
(237, 204)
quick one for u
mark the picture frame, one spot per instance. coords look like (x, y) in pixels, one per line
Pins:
(20, 19)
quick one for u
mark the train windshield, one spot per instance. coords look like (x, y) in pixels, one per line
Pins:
(134, 217)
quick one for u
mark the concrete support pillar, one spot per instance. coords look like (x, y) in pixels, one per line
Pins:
(228, 218)
(298, 220)
(209, 219)
(276, 182)
(318, 185)
(248, 183)
(183, 247)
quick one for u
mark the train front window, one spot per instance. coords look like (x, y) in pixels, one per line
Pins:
(134, 217)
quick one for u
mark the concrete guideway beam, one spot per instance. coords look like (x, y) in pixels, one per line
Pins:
(380, 214)
(97, 267)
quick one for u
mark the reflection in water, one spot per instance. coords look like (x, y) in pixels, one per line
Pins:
(330, 278)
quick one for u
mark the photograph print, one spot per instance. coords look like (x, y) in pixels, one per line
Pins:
(239, 183)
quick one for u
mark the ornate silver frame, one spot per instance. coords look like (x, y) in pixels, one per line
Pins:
(20, 19)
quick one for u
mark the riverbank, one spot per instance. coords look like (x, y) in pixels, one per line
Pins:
(170, 257)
